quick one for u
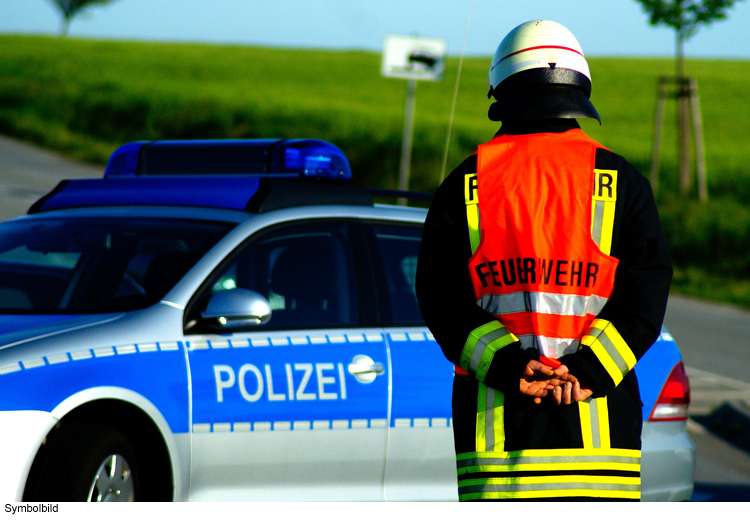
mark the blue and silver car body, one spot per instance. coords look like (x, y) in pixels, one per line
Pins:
(351, 404)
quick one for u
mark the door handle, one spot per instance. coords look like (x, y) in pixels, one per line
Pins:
(364, 369)
(375, 368)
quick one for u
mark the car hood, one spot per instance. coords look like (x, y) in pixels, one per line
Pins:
(23, 328)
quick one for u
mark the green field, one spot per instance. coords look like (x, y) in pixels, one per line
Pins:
(85, 97)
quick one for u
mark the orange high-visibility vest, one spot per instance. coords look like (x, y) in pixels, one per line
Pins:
(536, 267)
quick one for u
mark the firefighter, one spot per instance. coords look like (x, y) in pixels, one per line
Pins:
(544, 275)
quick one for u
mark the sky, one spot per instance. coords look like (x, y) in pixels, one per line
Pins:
(603, 27)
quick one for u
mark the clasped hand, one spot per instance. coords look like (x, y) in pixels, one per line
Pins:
(538, 380)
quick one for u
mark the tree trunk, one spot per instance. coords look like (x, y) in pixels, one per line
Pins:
(679, 65)
(64, 26)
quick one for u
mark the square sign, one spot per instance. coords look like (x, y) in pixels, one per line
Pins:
(410, 57)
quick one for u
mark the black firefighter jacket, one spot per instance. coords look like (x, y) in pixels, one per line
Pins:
(543, 453)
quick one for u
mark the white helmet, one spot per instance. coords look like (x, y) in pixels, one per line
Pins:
(539, 71)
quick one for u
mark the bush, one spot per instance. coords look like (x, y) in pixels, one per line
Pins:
(713, 236)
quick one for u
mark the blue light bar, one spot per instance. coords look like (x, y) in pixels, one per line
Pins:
(220, 192)
(220, 158)
(250, 175)
(310, 158)
(124, 161)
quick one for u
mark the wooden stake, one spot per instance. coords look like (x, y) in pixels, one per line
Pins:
(686, 92)
(657, 136)
(686, 173)
(700, 152)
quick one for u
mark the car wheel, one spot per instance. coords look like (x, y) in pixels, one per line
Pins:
(113, 481)
(85, 462)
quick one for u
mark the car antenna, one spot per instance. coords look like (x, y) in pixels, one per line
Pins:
(455, 93)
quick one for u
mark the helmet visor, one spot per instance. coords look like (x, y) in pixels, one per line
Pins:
(542, 102)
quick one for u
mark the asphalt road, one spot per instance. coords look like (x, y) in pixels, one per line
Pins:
(714, 338)
(715, 342)
(27, 173)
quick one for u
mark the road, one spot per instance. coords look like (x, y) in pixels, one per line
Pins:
(27, 173)
(714, 338)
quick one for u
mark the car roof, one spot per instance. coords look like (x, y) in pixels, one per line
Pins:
(376, 211)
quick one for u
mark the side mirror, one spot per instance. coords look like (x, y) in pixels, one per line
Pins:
(236, 310)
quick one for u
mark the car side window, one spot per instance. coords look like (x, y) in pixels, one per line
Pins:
(305, 271)
(399, 249)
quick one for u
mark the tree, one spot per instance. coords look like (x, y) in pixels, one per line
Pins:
(71, 8)
(685, 17)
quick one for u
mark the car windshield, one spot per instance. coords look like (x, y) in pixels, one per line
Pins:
(97, 264)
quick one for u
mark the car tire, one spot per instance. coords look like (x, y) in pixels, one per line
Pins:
(85, 462)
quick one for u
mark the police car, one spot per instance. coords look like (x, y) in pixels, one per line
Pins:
(232, 320)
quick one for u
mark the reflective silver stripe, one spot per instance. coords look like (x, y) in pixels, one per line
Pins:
(596, 441)
(482, 343)
(572, 459)
(490, 430)
(489, 420)
(610, 348)
(550, 346)
(544, 303)
(596, 226)
(484, 488)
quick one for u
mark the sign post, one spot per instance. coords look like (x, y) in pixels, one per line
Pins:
(412, 58)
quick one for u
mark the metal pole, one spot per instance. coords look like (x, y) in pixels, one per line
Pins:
(403, 183)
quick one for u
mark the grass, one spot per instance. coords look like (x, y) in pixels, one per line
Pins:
(697, 283)
(86, 97)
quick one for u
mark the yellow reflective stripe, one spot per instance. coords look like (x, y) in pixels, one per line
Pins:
(602, 224)
(609, 494)
(473, 340)
(601, 353)
(481, 346)
(585, 414)
(597, 215)
(490, 429)
(594, 416)
(498, 424)
(481, 441)
(603, 208)
(603, 411)
(551, 453)
(489, 354)
(594, 485)
(566, 466)
(472, 217)
(471, 198)
(549, 460)
(622, 347)
(590, 479)
(610, 348)
(608, 223)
